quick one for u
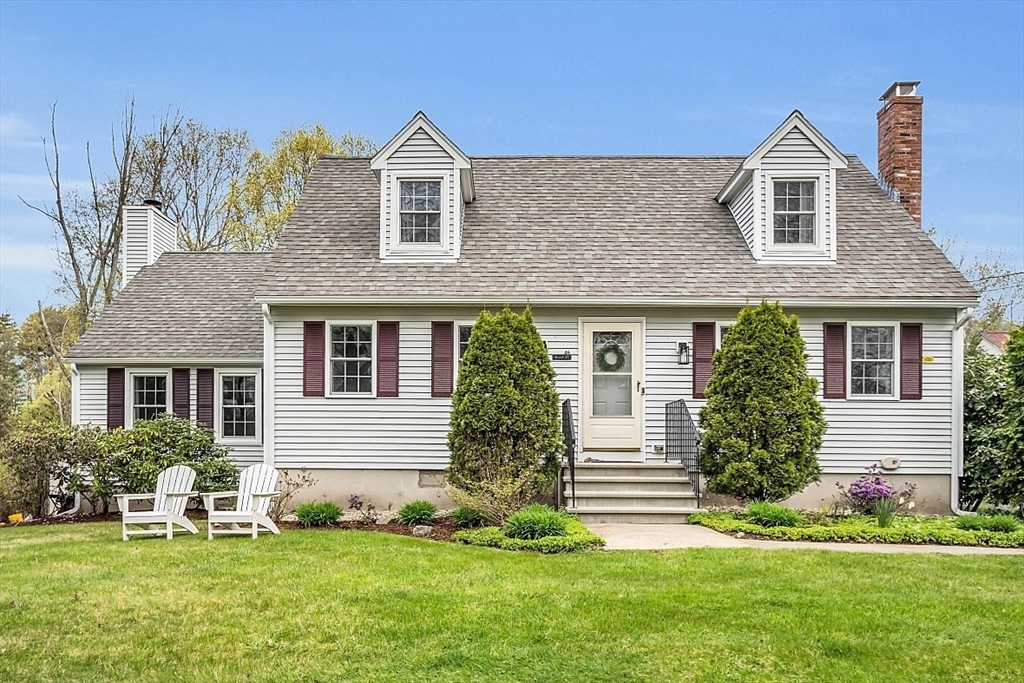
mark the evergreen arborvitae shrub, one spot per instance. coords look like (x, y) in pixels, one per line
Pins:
(505, 438)
(762, 424)
(1009, 485)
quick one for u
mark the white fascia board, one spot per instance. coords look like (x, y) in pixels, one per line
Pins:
(418, 122)
(162, 362)
(695, 302)
(738, 180)
(795, 120)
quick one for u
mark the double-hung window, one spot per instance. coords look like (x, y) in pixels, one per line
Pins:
(794, 212)
(238, 406)
(872, 360)
(351, 359)
(464, 333)
(420, 211)
(149, 396)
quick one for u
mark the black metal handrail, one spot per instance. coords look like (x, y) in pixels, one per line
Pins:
(569, 433)
(682, 441)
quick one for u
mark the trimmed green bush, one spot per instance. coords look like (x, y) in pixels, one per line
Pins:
(770, 514)
(534, 522)
(1004, 523)
(323, 513)
(505, 439)
(417, 512)
(863, 530)
(762, 424)
(577, 537)
(138, 455)
(467, 517)
(51, 458)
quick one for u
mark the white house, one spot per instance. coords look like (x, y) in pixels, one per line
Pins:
(338, 352)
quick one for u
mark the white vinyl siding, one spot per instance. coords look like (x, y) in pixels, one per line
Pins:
(147, 235)
(420, 158)
(91, 406)
(410, 431)
(742, 208)
(795, 157)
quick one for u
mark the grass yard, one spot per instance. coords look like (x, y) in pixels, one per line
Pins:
(77, 604)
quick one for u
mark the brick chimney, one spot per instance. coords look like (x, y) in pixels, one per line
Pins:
(899, 145)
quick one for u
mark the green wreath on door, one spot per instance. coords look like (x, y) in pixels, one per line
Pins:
(610, 357)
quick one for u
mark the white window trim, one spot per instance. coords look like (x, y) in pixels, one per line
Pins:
(397, 246)
(328, 375)
(129, 390)
(458, 324)
(218, 412)
(819, 213)
(895, 360)
(718, 331)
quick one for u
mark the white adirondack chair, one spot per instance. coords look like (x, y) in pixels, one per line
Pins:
(255, 494)
(173, 489)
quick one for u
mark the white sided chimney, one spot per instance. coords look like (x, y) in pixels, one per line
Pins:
(146, 233)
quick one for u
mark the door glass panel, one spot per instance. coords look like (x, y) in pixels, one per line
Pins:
(613, 373)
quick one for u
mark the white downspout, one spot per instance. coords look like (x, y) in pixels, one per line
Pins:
(957, 469)
(268, 386)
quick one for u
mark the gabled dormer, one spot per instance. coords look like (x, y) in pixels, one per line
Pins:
(783, 195)
(425, 184)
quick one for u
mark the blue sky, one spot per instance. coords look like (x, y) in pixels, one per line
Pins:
(519, 79)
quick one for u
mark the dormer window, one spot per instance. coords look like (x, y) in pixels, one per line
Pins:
(425, 184)
(420, 211)
(794, 214)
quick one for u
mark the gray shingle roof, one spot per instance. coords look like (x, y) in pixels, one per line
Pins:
(634, 227)
(184, 306)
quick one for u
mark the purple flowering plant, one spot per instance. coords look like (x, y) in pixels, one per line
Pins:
(862, 495)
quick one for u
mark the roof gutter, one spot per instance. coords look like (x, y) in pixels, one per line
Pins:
(646, 302)
(150, 362)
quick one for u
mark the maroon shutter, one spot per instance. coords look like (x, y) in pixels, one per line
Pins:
(835, 360)
(910, 360)
(387, 359)
(703, 351)
(115, 398)
(181, 387)
(313, 365)
(442, 353)
(204, 397)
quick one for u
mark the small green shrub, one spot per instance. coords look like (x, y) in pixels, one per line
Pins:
(859, 529)
(535, 522)
(417, 512)
(770, 514)
(885, 511)
(1007, 524)
(466, 518)
(324, 513)
(577, 538)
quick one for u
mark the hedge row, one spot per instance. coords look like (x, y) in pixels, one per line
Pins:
(577, 537)
(865, 533)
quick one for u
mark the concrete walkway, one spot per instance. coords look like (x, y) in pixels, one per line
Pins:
(669, 536)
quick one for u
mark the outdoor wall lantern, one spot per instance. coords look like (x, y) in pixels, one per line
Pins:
(684, 353)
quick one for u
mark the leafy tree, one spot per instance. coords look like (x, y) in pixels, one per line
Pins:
(190, 168)
(259, 205)
(505, 437)
(762, 423)
(44, 339)
(11, 391)
(985, 395)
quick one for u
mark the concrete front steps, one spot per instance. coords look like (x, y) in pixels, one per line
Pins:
(637, 493)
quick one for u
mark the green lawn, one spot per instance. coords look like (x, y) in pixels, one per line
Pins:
(77, 604)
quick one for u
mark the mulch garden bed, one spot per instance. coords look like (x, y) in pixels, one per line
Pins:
(442, 529)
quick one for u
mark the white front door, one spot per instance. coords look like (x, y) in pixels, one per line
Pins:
(612, 402)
